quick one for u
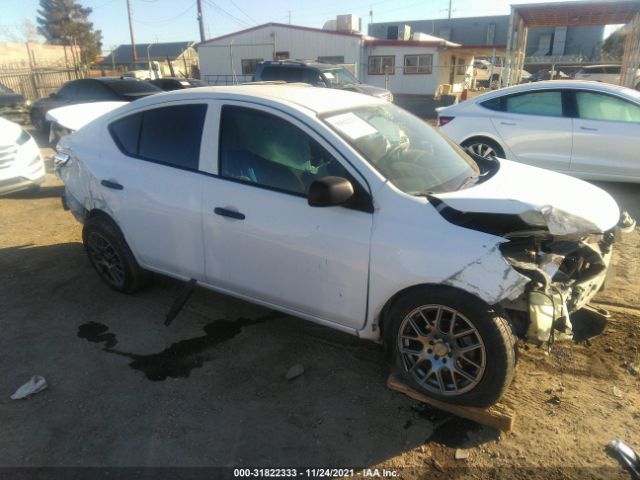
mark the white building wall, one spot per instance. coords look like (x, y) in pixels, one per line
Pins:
(224, 56)
(399, 83)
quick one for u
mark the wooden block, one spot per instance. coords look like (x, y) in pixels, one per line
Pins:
(498, 416)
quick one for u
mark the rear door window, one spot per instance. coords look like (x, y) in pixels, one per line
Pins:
(168, 135)
(547, 103)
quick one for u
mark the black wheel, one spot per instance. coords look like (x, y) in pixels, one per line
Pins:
(450, 346)
(39, 122)
(483, 147)
(110, 255)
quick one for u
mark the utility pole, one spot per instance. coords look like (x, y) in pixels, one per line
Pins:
(134, 56)
(201, 21)
(450, 2)
(289, 17)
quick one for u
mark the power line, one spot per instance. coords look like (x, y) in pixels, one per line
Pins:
(166, 20)
(237, 20)
(243, 12)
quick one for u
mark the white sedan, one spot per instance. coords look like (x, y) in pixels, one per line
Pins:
(344, 210)
(590, 130)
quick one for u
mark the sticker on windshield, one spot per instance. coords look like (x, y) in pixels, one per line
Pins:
(351, 125)
(329, 75)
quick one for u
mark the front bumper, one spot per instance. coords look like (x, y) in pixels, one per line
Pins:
(12, 185)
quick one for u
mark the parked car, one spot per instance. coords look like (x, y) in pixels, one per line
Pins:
(176, 83)
(604, 73)
(102, 89)
(348, 211)
(318, 75)
(542, 75)
(589, 130)
(13, 106)
(488, 76)
(21, 166)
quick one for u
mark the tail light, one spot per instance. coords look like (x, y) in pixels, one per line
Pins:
(442, 121)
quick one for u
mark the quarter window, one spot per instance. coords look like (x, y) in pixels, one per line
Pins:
(418, 64)
(535, 103)
(167, 135)
(264, 150)
(380, 65)
(595, 106)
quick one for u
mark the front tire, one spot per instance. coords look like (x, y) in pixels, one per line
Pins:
(110, 255)
(451, 346)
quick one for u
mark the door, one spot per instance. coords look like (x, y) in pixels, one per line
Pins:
(152, 186)
(534, 127)
(606, 134)
(263, 240)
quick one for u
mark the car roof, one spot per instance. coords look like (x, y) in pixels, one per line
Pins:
(558, 84)
(302, 95)
(300, 63)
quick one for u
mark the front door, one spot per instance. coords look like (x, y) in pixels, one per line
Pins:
(263, 240)
(599, 117)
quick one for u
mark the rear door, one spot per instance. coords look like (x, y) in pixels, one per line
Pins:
(606, 134)
(533, 125)
(151, 184)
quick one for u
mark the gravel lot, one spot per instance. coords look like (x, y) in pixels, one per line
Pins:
(210, 389)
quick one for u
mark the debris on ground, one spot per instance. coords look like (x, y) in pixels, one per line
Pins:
(294, 371)
(34, 385)
(437, 465)
(608, 349)
(631, 368)
(554, 400)
(628, 457)
(616, 392)
(461, 454)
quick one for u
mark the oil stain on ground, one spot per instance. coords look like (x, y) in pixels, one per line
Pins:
(177, 360)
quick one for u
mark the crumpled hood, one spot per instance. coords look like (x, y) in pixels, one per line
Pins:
(564, 204)
(73, 117)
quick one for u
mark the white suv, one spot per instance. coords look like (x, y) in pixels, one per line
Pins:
(21, 166)
(344, 210)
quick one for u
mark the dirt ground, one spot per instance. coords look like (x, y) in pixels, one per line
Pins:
(210, 389)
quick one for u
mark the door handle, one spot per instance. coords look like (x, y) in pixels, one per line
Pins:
(589, 129)
(111, 184)
(508, 123)
(225, 212)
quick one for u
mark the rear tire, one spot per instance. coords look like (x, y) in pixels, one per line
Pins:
(451, 346)
(110, 255)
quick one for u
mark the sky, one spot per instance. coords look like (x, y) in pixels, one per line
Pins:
(176, 20)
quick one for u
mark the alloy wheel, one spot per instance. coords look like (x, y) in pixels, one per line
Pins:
(441, 350)
(106, 259)
(482, 150)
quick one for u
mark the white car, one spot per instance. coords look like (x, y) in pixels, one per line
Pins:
(344, 210)
(604, 73)
(589, 130)
(21, 166)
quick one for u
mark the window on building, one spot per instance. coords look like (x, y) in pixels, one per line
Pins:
(392, 32)
(249, 65)
(461, 68)
(281, 56)
(382, 64)
(418, 64)
(331, 59)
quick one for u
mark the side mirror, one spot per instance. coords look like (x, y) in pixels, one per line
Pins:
(329, 191)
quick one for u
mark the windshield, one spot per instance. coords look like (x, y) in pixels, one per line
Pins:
(403, 148)
(339, 77)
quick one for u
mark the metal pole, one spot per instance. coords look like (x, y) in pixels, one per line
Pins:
(134, 55)
(201, 21)
(450, 2)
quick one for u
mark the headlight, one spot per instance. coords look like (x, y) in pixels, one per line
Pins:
(23, 138)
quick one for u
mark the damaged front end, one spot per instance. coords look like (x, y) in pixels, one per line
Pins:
(567, 261)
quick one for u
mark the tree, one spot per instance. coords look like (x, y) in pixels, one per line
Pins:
(613, 46)
(65, 22)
